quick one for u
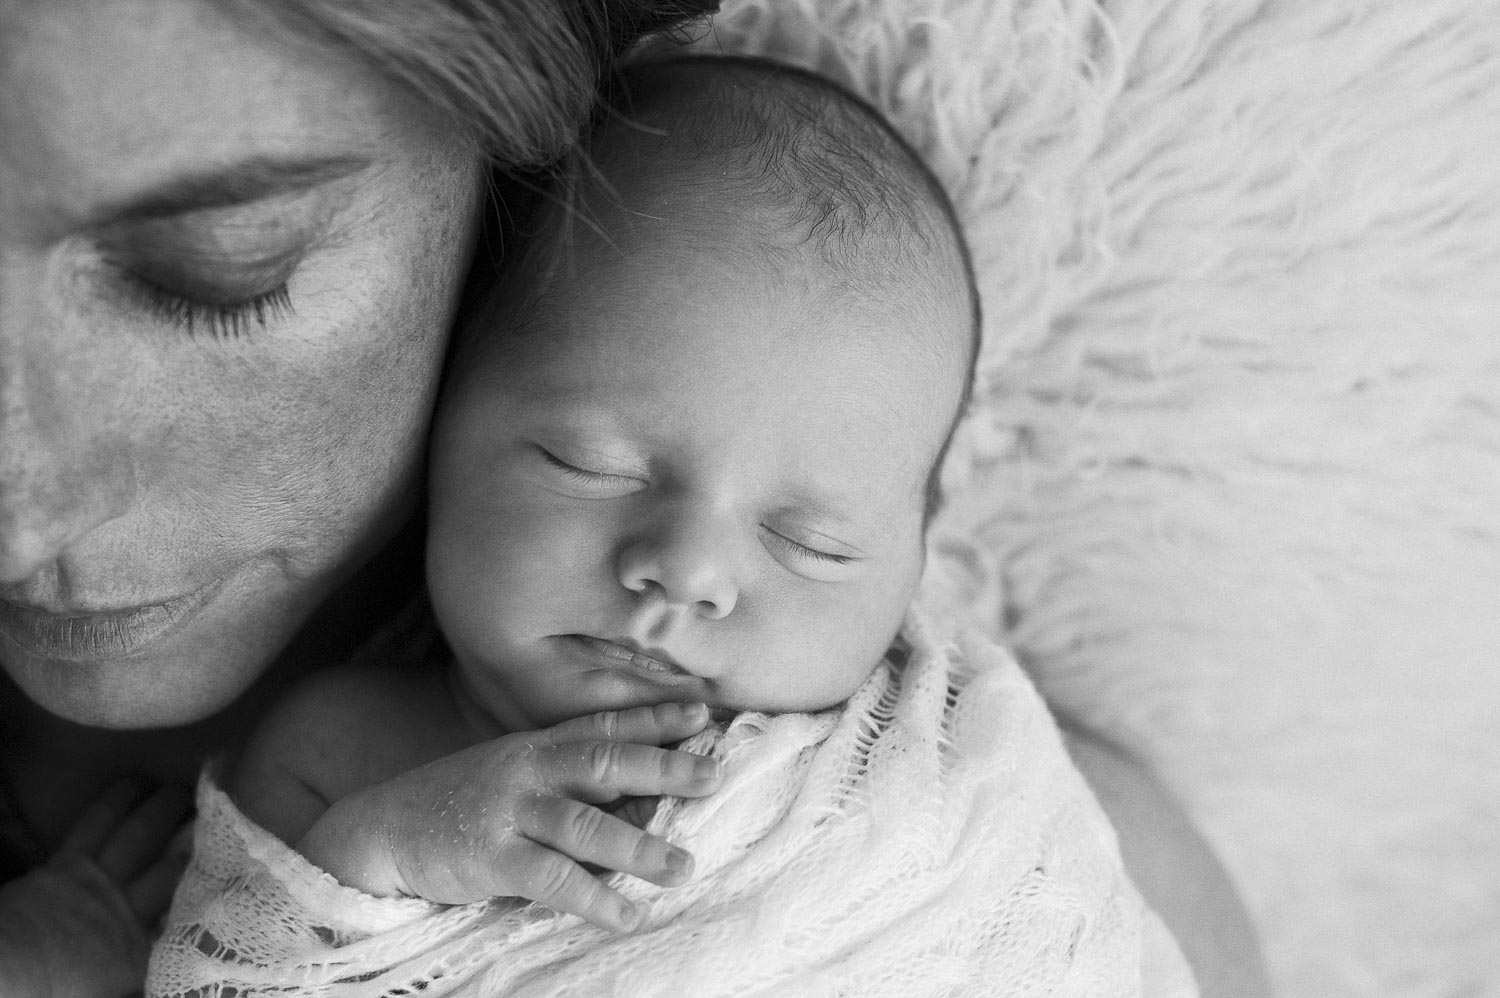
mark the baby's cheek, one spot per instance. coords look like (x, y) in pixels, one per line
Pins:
(857, 667)
(556, 548)
(827, 660)
(874, 619)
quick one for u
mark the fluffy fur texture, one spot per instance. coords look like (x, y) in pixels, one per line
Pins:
(1232, 482)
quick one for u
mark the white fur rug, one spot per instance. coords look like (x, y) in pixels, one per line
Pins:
(1232, 487)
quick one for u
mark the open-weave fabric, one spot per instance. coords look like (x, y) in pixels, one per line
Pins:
(932, 838)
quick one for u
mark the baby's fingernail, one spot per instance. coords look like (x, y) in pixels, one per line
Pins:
(630, 916)
(705, 768)
(679, 864)
(694, 711)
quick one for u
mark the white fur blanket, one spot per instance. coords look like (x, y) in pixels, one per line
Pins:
(932, 838)
(1231, 487)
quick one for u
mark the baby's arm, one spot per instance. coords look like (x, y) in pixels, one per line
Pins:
(515, 816)
(1175, 870)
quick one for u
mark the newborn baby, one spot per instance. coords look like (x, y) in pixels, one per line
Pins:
(684, 456)
(683, 463)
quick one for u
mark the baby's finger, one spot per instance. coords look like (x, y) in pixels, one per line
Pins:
(589, 835)
(603, 771)
(654, 725)
(560, 883)
(93, 827)
(139, 839)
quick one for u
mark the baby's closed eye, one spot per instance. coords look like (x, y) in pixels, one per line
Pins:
(579, 478)
(810, 553)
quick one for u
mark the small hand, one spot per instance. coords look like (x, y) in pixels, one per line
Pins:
(517, 816)
(76, 927)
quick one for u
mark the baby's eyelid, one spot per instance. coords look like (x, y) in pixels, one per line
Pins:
(570, 468)
(813, 552)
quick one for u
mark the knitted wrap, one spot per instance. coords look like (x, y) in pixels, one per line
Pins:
(931, 838)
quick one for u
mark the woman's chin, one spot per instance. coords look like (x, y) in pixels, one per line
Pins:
(130, 694)
(186, 673)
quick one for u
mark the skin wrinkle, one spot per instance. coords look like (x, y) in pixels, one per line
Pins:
(280, 458)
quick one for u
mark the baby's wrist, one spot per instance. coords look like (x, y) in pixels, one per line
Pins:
(349, 843)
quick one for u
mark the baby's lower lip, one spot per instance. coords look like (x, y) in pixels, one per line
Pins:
(613, 655)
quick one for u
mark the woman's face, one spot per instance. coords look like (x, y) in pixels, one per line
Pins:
(227, 265)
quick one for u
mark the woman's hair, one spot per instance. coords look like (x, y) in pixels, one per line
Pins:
(516, 77)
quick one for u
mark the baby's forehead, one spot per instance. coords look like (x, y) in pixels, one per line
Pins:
(880, 302)
(748, 154)
(771, 175)
(715, 238)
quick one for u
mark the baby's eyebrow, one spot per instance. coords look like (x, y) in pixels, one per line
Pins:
(832, 509)
(244, 182)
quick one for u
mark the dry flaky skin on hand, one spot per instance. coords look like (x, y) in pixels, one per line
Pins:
(76, 927)
(516, 816)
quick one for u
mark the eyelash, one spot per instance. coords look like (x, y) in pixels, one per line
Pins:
(222, 322)
(577, 473)
(812, 553)
(595, 477)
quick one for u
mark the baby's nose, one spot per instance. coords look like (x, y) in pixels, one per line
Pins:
(686, 564)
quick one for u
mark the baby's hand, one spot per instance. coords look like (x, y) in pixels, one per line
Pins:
(515, 817)
(78, 924)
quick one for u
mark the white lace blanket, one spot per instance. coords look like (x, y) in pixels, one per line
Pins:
(930, 839)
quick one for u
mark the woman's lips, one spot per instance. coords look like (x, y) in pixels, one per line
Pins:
(96, 635)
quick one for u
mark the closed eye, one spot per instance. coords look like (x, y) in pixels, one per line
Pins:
(595, 481)
(229, 320)
(811, 553)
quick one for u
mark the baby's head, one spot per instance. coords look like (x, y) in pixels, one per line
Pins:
(687, 452)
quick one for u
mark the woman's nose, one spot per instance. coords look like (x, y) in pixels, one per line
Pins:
(688, 562)
(44, 510)
(60, 476)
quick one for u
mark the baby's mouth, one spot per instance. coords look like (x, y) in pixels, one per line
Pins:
(625, 653)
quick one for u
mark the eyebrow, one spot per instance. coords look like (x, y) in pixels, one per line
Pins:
(830, 506)
(243, 182)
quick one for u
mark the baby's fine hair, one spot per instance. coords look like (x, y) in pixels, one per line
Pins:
(831, 172)
(821, 158)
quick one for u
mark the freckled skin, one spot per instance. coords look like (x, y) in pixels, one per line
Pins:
(138, 463)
